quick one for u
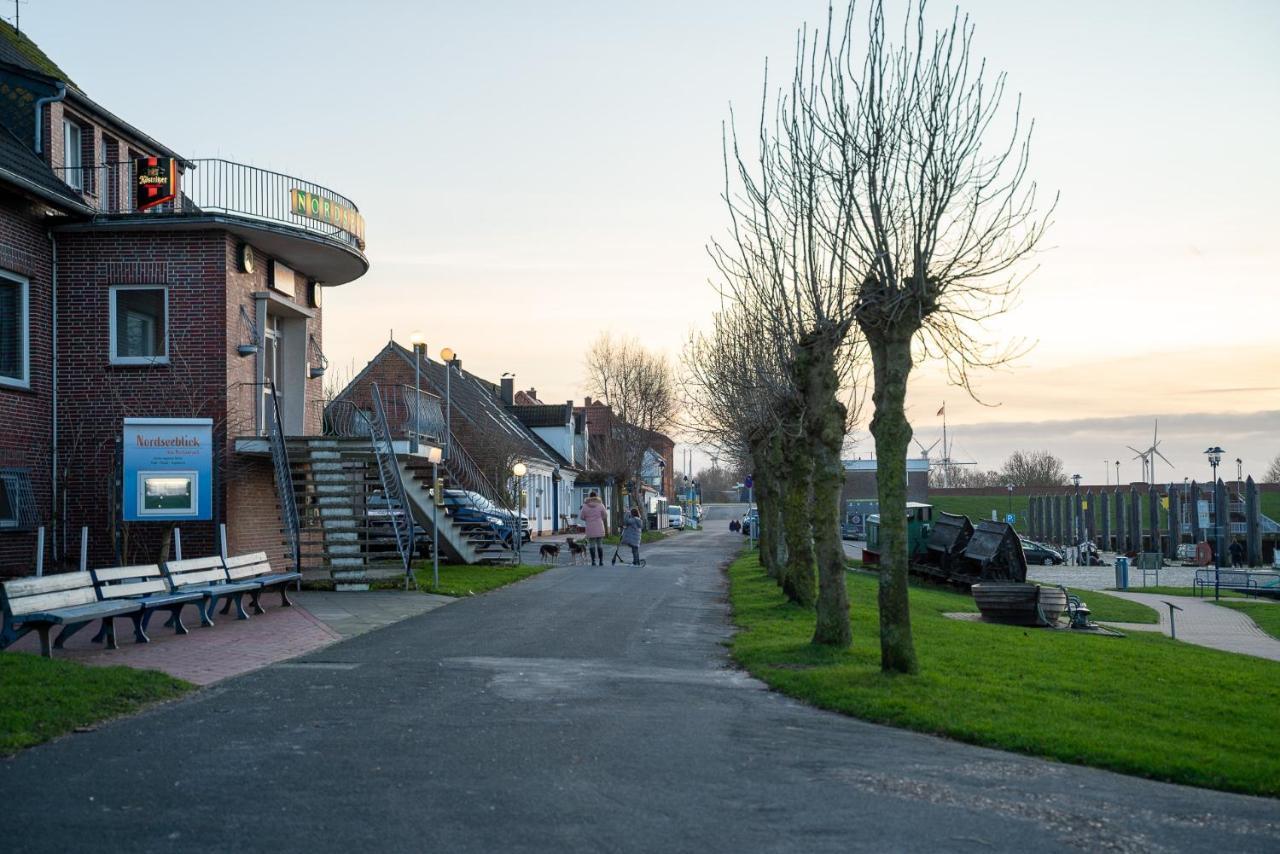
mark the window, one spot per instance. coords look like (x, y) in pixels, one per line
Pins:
(139, 325)
(17, 506)
(14, 343)
(72, 154)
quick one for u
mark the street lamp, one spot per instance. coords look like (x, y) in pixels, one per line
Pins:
(434, 456)
(1215, 456)
(517, 536)
(419, 342)
(1079, 537)
(1010, 488)
(448, 357)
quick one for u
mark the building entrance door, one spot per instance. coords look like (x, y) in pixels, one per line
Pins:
(271, 371)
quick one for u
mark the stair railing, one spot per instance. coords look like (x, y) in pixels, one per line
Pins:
(384, 453)
(284, 480)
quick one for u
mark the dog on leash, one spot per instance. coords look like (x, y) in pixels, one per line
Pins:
(549, 552)
(578, 551)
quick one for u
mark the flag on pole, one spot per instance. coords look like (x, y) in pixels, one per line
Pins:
(943, 410)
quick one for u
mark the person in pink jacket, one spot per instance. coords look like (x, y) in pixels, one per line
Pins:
(595, 519)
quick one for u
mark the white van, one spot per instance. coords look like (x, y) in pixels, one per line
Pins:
(675, 517)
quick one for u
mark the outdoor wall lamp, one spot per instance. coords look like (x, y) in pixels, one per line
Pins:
(319, 363)
(249, 328)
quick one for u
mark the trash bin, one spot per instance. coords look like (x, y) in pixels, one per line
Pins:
(1122, 573)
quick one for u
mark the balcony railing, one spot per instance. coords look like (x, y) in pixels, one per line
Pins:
(408, 411)
(216, 186)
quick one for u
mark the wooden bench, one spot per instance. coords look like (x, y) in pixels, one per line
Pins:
(255, 567)
(67, 599)
(147, 586)
(207, 577)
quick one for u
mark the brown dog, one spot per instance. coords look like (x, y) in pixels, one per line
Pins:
(549, 552)
(577, 551)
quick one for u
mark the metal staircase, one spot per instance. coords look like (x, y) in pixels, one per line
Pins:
(384, 453)
(284, 480)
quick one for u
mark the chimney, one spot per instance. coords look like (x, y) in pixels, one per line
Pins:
(533, 392)
(568, 408)
(509, 391)
(586, 401)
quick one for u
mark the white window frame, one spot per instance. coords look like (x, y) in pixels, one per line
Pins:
(73, 155)
(24, 330)
(111, 328)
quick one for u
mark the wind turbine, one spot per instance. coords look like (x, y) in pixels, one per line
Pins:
(1148, 456)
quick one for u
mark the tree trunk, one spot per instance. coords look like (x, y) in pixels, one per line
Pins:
(891, 362)
(764, 498)
(824, 428)
(798, 581)
(773, 474)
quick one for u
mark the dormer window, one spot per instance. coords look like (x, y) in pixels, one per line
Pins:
(72, 154)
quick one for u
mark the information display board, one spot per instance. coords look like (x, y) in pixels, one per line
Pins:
(168, 469)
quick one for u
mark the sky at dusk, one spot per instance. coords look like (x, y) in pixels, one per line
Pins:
(533, 174)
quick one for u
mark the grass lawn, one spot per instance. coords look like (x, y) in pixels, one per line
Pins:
(42, 698)
(1266, 615)
(463, 580)
(1116, 610)
(1143, 704)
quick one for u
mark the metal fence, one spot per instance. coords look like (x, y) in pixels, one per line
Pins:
(213, 185)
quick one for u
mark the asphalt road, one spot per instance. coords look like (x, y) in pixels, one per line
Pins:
(587, 709)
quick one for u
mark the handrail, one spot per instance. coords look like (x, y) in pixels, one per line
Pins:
(392, 486)
(214, 185)
(284, 481)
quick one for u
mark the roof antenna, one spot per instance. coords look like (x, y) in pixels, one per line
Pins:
(17, 15)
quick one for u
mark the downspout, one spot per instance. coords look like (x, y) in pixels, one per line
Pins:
(40, 102)
(53, 365)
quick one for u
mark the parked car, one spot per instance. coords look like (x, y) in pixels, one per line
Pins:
(465, 505)
(749, 521)
(380, 517)
(675, 518)
(1039, 553)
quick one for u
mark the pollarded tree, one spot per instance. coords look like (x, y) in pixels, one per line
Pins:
(939, 213)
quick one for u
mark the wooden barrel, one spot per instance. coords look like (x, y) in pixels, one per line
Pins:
(1016, 604)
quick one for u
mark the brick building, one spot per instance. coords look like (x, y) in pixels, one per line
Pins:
(139, 283)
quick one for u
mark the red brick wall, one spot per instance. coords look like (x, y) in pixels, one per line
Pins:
(95, 396)
(25, 416)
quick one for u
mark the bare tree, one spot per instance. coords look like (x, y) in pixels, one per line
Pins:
(936, 222)
(1033, 468)
(640, 391)
(1273, 471)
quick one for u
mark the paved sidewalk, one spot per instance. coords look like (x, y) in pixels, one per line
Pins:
(1203, 623)
(354, 613)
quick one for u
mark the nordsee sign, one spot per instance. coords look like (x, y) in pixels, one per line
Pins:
(168, 469)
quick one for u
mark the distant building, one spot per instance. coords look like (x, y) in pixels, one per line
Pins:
(860, 480)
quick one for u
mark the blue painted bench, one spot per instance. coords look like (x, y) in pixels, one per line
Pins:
(67, 599)
(207, 577)
(147, 586)
(257, 569)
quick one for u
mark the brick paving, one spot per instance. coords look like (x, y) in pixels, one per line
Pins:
(205, 655)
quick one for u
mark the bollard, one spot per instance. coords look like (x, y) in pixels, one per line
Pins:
(1173, 631)
(177, 544)
(84, 548)
(222, 536)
